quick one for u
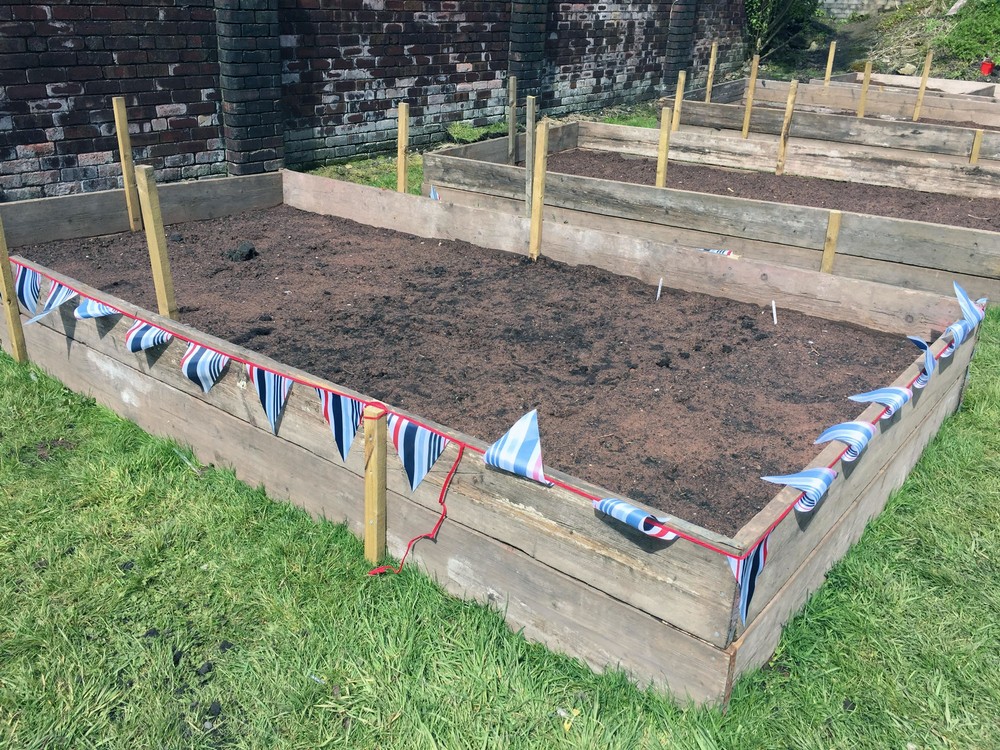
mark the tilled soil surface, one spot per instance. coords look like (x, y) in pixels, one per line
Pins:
(974, 213)
(681, 403)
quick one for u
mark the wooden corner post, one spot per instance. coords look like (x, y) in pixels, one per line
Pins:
(156, 239)
(374, 419)
(538, 189)
(865, 84)
(128, 167)
(786, 124)
(678, 100)
(529, 150)
(829, 62)
(830, 244)
(923, 86)
(511, 119)
(977, 144)
(17, 348)
(663, 152)
(750, 89)
(402, 144)
(712, 59)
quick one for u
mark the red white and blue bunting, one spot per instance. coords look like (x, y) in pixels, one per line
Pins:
(747, 570)
(143, 335)
(91, 308)
(203, 366)
(28, 287)
(812, 483)
(855, 435)
(929, 362)
(892, 398)
(58, 294)
(520, 450)
(343, 414)
(272, 390)
(637, 518)
(418, 447)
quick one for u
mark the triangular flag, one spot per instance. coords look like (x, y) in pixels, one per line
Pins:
(418, 447)
(747, 570)
(813, 483)
(143, 335)
(58, 294)
(929, 362)
(856, 435)
(959, 332)
(91, 308)
(638, 519)
(892, 398)
(203, 366)
(520, 450)
(971, 311)
(343, 414)
(272, 389)
(27, 286)
(433, 194)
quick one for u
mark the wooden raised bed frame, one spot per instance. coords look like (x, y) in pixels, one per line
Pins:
(582, 584)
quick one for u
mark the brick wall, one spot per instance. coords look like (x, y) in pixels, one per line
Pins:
(722, 21)
(62, 62)
(846, 8)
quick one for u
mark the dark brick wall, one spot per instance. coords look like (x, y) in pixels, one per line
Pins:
(724, 21)
(62, 62)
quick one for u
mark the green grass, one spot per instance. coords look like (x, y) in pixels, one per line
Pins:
(120, 555)
(377, 171)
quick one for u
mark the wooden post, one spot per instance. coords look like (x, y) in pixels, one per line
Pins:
(830, 245)
(829, 62)
(402, 144)
(17, 348)
(156, 239)
(864, 89)
(678, 99)
(785, 126)
(663, 151)
(538, 189)
(529, 151)
(128, 167)
(923, 86)
(750, 87)
(375, 517)
(712, 59)
(977, 143)
(511, 119)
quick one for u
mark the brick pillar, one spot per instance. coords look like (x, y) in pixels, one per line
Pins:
(680, 41)
(526, 57)
(250, 85)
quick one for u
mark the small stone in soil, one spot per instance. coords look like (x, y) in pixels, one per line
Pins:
(265, 318)
(243, 252)
(225, 646)
(176, 237)
(727, 349)
(151, 633)
(215, 709)
(205, 668)
(178, 655)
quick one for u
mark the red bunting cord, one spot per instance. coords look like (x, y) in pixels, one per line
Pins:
(462, 446)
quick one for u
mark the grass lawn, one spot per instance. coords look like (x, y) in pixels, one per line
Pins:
(148, 601)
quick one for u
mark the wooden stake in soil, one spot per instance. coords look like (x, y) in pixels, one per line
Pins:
(830, 244)
(374, 419)
(864, 89)
(785, 125)
(711, 72)
(750, 88)
(678, 99)
(511, 119)
(977, 143)
(662, 152)
(538, 189)
(529, 151)
(156, 239)
(128, 167)
(829, 62)
(402, 144)
(17, 348)
(923, 86)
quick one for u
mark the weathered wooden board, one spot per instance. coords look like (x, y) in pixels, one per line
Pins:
(93, 214)
(561, 137)
(945, 86)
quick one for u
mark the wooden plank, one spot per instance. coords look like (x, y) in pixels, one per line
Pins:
(402, 144)
(722, 93)
(923, 85)
(712, 58)
(128, 166)
(374, 421)
(511, 119)
(865, 85)
(538, 189)
(663, 150)
(977, 145)
(561, 137)
(785, 123)
(156, 240)
(750, 93)
(945, 86)
(15, 334)
(829, 62)
(830, 244)
(675, 122)
(529, 150)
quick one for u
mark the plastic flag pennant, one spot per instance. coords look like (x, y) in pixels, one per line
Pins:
(343, 414)
(747, 571)
(272, 389)
(58, 294)
(856, 435)
(418, 447)
(433, 194)
(143, 335)
(958, 331)
(929, 362)
(892, 398)
(813, 483)
(91, 308)
(520, 450)
(28, 287)
(972, 315)
(202, 366)
(638, 519)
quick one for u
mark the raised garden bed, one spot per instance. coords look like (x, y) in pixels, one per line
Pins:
(669, 612)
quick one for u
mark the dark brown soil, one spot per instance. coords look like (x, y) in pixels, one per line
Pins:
(975, 213)
(682, 403)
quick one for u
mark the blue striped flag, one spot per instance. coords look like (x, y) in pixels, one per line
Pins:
(813, 483)
(520, 450)
(959, 331)
(974, 312)
(929, 362)
(272, 389)
(143, 335)
(91, 308)
(28, 286)
(343, 414)
(433, 194)
(418, 447)
(202, 366)
(639, 519)
(855, 435)
(58, 294)
(747, 571)
(892, 398)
